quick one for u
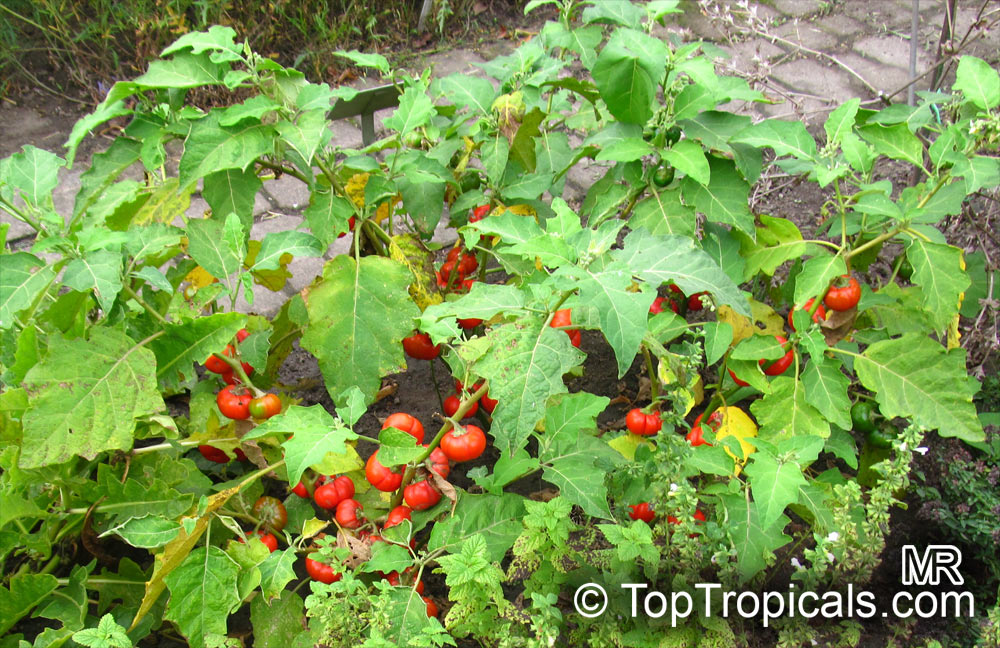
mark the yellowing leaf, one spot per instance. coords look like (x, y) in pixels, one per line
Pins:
(765, 316)
(520, 210)
(742, 326)
(199, 277)
(334, 463)
(736, 423)
(355, 189)
(409, 251)
(627, 444)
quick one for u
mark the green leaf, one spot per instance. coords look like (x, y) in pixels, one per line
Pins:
(90, 405)
(104, 169)
(316, 434)
(896, 142)
(254, 108)
(397, 448)
(34, 173)
(626, 81)
(185, 70)
(726, 198)
(217, 38)
(218, 247)
(187, 343)
(232, 190)
(979, 171)
(277, 621)
(572, 457)
(468, 91)
(423, 198)
(212, 147)
(785, 412)
(203, 593)
(107, 634)
(482, 302)
(688, 156)
(753, 541)
(493, 154)
(303, 137)
(613, 12)
(658, 259)
(625, 150)
(816, 275)
(106, 111)
(363, 59)
(522, 148)
(358, 315)
(497, 518)
(718, 337)
(937, 270)
(778, 240)
(100, 271)
(277, 570)
(979, 82)
(23, 277)
(147, 532)
(25, 592)
(415, 110)
(663, 213)
(524, 369)
(826, 390)
(843, 446)
(915, 377)
(774, 485)
(328, 215)
(711, 460)
(785, 137)
(276, 244)
(841, 121)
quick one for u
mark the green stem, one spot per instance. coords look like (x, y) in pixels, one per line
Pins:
(17, 213)
(875, 241)
(654, 383)
(282, 169)
(149, 309)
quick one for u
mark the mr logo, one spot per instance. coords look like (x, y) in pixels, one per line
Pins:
(928, 568)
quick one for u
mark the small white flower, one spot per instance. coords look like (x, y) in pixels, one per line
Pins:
(902, 446)
(830, 556)
(796, 564)
(673, 488)
(922, 450)
(833, 537)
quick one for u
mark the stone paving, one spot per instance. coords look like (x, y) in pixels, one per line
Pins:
(809, 56)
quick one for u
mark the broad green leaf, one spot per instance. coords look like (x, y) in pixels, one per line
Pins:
(358, 315)
(726, 198)
(718, 337)
(687, 156)
(397, 447)
(493, 154)
(625, 150)
(843, 446)
(275, 244)
(23, 277)
(712, 460)
(826, 390)
(774, 485)
(136, 499)
(364, 59)
(482, 302)
(785, 137)
(25, 592)
(423, 198)
(816, 275)
(524, 366)
(217, 38)
(147, 532)
(203, 593)
(192, 342)
(415, 110)
(497, 518)
(522, 148)
(658, 260)
(978, 81)
(152, 241)
(104, 170)
(106, 111)
(316, 434)
(785, 412)
(914, 377)
(859, 155)
(304, 137)
(896, 142)
(253, 108)
(979, 171)
(937, 270)
(627, 83)
(34, 172)
(613, 12)
(572, 457)
(813, 498)
(276, 621)
(723, 247)
(758, 347)
(100, 271)
(184, 70)
(328, 215)
(212, 147)
(232, 191)
(841, 121)
(753, 542)
(714, 128)
(218, 247)
(663, 213)
(467, 91)
(778, 240)
(90, 405)
(277, 570)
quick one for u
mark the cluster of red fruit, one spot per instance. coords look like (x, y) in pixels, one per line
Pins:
(643, 511)
(674, 301)
(236, 401)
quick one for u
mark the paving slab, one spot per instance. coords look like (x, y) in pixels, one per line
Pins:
(839, 25)
(886, 78)
(806, 34)
(799, 8)
(890, 50)
(824, 80)
(288, 193)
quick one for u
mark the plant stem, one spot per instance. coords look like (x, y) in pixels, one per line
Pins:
(17, 213)
(654, 383)
(149, 309)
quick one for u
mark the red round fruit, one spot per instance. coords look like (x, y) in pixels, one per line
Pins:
(469, 323)
(695, 303)
(643, 424)
(347, 514)
(741, 383)
(843, 297)
(674, 288)
(265, 407)
(350, 225)
(488, 403)
(234, 402)
(562, 317)
(780, 365)
(406, 423)
(381, 477)
(301, 490)
(213, 454)
(421, 495)
(215, 364)
(453, 402)
(432, 609)
(268, 539)
(419, 346)
(818, 316)
(574, 337)
(329, 495)
(321, 572)
(479, 213)
(439, 462)
(397, 515)
(465, 445)
(641, 511)
(230, 379)
(271, 512)
(657, 306)
(468, 263)
(696, 436)
(698, 515)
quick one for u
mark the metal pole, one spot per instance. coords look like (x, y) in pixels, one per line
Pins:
(914, 38)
